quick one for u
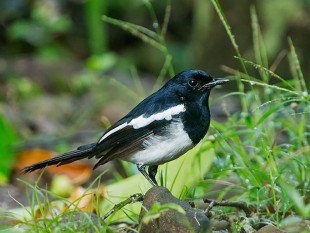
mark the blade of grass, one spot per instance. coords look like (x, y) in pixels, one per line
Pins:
(166, 19)
(144, 34)
(156, 25)
(231, 36)
(160, 32)
(137, 81)
(269, 112)
(176, 175)
(262, 68)
(268, 85)
(162, 73)
(286, 99)
(259, 48)
(223, 19)
(278, 60)
(130, 92)
(237, 147)
(273, 172)
(296, 64)
(296, 198)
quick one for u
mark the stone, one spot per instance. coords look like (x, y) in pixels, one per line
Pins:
(171, 220)
(269, 229)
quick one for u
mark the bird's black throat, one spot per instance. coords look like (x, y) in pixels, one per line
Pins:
(196, 119)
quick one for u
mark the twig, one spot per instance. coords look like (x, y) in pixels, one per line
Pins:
(210, 206)
(241, 205)
(132, 199)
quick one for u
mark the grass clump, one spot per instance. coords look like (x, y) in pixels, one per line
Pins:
(266, 145)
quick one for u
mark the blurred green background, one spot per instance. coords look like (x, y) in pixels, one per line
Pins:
(41, 36)
(63, 69)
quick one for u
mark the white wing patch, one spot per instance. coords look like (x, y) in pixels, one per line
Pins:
(142, 121)
(113, 131)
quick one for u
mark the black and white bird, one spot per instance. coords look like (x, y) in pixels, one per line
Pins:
(159, 129)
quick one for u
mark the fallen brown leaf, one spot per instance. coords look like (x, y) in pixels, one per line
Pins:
(87, 200)
(77, 172)
(28, 157)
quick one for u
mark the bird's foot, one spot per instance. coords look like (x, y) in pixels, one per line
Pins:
(150, 177)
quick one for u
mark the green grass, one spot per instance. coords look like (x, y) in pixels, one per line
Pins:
(265, 146)
(48, 212)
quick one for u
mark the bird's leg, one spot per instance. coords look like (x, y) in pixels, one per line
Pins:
(141, 168)
(152, 172)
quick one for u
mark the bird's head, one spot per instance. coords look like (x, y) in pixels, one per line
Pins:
(191, 85)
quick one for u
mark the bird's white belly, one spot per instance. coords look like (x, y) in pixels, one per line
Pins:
(160, 149)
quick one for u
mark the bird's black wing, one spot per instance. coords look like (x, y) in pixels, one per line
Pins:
(123, 138)
(125, 141)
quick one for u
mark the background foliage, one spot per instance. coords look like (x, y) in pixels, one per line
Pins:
(70, 68)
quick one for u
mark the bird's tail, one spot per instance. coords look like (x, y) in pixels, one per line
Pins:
(69, 157)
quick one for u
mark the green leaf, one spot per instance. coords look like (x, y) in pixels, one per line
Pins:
(267, 114)
(302, 208)
(7, 137)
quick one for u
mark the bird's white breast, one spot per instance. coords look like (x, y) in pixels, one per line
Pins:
(160, 149)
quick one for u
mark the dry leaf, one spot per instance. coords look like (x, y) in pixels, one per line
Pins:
(77, 172)
(87, 200)
(28, 157)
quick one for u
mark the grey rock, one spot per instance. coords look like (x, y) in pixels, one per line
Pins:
(295, 224)
(220, 225)
(171, 220)
(269, 229)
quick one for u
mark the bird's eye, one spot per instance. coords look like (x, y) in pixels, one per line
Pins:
(193, 82)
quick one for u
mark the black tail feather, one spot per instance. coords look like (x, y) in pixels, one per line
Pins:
(65, 158)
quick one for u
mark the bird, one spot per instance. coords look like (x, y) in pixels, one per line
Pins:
(161, 128)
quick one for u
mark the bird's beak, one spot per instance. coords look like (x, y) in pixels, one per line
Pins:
(215, 82)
